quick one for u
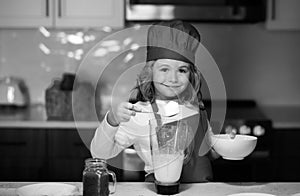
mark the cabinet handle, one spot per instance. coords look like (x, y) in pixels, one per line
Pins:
(47, 8)
(235, 8)
(273, 10)
(59, 8)
(12, 143)
(78, 144)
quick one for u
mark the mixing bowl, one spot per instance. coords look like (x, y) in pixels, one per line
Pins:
(233, 149)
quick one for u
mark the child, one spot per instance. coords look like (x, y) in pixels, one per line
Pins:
(169, 75)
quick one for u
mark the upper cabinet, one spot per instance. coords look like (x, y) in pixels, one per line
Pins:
(283, 15)
(61, 13)
(26, 13)
(89, 13)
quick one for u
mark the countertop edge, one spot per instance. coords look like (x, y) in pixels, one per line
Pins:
(50, 124)
(211, 189)
(283, 117)
(286, 125)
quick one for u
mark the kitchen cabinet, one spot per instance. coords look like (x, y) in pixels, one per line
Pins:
(29, 13)
(67, 150)
(23, 154)
(89, 13)
(62, 13)
(286, 154)
(46, 154)
(283, 15)
(66, 154)
(251, 169)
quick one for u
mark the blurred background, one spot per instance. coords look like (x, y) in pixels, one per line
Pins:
(44, 44)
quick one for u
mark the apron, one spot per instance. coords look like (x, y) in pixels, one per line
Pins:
(198, 168)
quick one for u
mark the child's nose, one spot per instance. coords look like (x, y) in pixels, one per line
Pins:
(173, 76)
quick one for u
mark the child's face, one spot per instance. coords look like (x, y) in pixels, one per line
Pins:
(170, 78)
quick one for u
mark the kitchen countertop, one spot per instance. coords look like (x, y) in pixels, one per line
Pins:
(283, 117)
(35, 116)
(207, 189)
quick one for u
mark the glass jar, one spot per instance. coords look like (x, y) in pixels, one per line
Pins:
(96, 178)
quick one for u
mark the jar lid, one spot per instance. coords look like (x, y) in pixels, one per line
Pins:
(95, 162)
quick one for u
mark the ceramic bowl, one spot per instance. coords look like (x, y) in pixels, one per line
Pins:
(48, 188)
(234, 149)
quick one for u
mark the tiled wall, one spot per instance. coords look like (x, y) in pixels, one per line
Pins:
(40, 55)
(255, 63)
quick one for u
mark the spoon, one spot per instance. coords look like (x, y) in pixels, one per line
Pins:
(231, 132)
(151, 112)
(169, 110)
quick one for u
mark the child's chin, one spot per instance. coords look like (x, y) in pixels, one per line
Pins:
(171, 96)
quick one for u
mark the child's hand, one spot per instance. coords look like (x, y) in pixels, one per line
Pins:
(122, 113)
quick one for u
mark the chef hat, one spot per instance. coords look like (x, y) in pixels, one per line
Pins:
(175, 39)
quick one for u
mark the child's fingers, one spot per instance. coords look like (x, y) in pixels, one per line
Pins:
(133, 107)
(126, 110)
(129, 112)
(128, 106)
(125, 118)
(136, 108)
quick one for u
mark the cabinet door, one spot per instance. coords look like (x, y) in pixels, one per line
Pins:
(23, 154)
(283, 14)
(89, 13)
(26, 13)
(67, 143)
(67, 153)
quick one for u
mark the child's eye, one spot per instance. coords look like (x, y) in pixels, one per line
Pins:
(183, 70)
(164, 69)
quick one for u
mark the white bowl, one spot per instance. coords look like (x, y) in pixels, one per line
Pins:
(47, 188)
(251, 194)
(234, 149)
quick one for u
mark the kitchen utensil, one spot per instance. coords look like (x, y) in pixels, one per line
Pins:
(13, 92)
(168, 110)
(168, 142)
(95, 178)
(151, 112)
(58, 102)
(233, 149)
(231, 132)
(67, 82)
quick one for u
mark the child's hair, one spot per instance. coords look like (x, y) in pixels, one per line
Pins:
(145, 90)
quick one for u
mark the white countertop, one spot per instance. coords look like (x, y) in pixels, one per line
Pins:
(50, 124)
(283, 117)
(205, 189)
(35, 117)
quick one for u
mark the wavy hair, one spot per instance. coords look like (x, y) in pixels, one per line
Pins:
(145, 90)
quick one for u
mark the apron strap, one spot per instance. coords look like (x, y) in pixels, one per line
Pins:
(156, 115)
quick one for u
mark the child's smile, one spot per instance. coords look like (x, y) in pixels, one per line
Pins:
(170, 77)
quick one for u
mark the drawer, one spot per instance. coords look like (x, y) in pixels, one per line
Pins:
(25, 169)
(66, 169)
(67, 143)
(22, 143)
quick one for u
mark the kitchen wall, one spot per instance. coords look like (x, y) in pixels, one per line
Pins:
(41, 55)
(255, 63)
